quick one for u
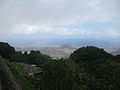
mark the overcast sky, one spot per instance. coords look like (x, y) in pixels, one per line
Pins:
(54, 22)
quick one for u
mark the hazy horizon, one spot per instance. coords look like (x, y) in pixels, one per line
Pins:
(46, 23)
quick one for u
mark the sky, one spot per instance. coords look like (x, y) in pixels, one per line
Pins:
(38, 23)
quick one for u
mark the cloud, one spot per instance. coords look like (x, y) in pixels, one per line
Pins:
(44, 29)
(59, 18)
(93, 30)
(112, 33)
(58, 11)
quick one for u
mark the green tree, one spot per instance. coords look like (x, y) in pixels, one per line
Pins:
(25, 81)
(63, 75)
(6, 50)
(89, 53)
(102, 67)
(36, 57)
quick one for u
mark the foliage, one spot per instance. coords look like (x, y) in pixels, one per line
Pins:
(6, 50)
(89, 53)
(103, 67)
(63, 75)
(88, 68)
(34, 57)
(26, 82)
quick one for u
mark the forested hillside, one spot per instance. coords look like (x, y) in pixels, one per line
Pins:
(88, 68)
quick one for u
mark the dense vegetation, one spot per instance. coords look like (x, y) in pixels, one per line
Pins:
(34, 57)
(104, 68)
(88, 68)
(26, 82)
(6, 50)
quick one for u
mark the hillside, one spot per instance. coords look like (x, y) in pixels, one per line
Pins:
(66, 46)
(116, 52)
(62, 51)
(87, 68)
(113, 51)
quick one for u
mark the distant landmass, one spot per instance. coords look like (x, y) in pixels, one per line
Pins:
(116, 52)
(63, 51)
(67, 46)
(113, 51)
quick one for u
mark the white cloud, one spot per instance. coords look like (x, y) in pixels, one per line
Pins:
(58, 11)
(112, 33)
(30, 17)
(44, 29)
(61, 31)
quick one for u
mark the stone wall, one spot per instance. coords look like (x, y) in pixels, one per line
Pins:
(7, 79)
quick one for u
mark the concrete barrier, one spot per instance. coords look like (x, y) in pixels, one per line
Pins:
(7, 79)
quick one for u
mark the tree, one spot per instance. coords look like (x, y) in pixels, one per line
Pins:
(102, 66)
(36, 57)
(89, 53)
(6, 50)
(63, 75)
